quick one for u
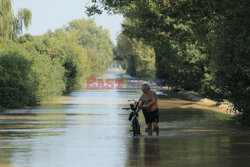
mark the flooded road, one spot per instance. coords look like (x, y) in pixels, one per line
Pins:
(88, 128)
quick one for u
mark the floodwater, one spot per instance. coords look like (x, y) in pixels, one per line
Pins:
(89, 128)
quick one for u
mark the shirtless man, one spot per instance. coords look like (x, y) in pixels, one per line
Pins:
(149, 106)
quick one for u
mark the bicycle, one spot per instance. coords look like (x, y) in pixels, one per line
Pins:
(133, 117)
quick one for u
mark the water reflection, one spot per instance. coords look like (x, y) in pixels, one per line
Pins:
(88, 128)
(196, 151)
(144, 151)
(151, 152)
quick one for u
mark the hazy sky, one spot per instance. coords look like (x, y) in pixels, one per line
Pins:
(53, 14)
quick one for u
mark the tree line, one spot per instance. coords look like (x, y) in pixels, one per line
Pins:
(196, 45)
(38, 68)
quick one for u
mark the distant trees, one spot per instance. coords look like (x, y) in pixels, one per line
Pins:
(135, 56)
(199, 45)
(34, 69)
(96, 40)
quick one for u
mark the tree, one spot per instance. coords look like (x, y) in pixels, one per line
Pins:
(199, 45)
(97, 42)
(10, 26)
(136, 57)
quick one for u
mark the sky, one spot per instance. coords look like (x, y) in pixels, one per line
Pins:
(54, 14)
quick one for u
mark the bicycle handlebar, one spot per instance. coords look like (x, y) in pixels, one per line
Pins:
(133, 106)
(126, 108)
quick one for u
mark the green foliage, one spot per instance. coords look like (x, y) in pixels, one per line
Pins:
(6, 18)
(230, 66)
(27, 78)
(64, 49)
(23, 20)
(25, 38)
(199, 45)
(137, 57)
(11, 26)
(14, 88)
(34, 69)
(97, 42)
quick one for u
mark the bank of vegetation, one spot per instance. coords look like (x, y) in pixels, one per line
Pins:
(197, 45)
(38, 68)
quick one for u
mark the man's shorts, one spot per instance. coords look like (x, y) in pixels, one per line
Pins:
(151, 116)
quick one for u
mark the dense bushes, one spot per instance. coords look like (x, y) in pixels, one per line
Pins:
(63, 49)
(26, 79)
(14, 84)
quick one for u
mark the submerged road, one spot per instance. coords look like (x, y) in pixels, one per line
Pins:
(88, 128)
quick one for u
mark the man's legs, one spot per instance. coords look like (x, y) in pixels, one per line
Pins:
(156, 127)
(149, 128)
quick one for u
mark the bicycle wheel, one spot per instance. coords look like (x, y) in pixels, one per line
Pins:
(136, 127)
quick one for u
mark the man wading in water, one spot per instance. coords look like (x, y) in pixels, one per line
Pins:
(149, 106)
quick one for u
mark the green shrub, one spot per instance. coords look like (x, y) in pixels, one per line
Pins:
(65, 50)
(27, 78)
(15, 88)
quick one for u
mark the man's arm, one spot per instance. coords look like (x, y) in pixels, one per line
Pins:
(140, 105)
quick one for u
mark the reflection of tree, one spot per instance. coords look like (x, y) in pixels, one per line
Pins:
(5, 152)
(33, 124)
(144, 152)
(151, 152)
(136, 151)
(239, 150)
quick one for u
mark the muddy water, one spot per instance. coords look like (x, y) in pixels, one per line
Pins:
(88, 128)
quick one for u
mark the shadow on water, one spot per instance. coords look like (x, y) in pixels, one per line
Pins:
(88, 128)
